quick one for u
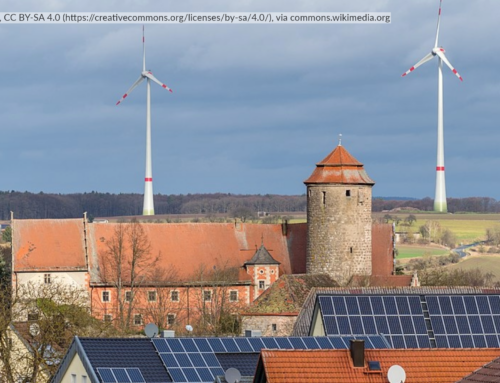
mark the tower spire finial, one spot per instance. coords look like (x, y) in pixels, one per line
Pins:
(340, 139)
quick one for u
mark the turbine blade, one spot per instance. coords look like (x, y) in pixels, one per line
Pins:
(423, 61)
(139, 80)
(439, 21)
(143, 51)
(445, 60)
(153, 78)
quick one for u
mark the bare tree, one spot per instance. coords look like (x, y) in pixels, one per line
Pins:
(217, 309)
(167, 309)
(126, 265)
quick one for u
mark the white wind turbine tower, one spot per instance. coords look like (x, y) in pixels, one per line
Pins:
(148, 207)
(440, 198)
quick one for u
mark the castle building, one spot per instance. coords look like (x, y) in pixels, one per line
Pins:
(339, 223)
(339, 241)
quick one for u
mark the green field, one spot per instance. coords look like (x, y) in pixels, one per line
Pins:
(485, 263)
(408, 251)
(467, 227)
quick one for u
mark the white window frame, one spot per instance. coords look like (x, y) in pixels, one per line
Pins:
(172, 296)
(155, 296)
(47, 279)
(205, 292)
(237, 295)
(168, 319)
(109, 296)
(107, 318)
(262, 285)
(137, 316)
(128, 296)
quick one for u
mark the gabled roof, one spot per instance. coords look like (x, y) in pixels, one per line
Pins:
(115, 353)
(319, 366)
(288, 293)
(339, 167)
(262, 257)
(486, 374)
(48, 244)
(304, 320)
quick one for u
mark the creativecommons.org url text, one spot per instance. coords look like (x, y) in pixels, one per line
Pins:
(196, 18)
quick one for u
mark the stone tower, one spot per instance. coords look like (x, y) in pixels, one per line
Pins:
(339, 223)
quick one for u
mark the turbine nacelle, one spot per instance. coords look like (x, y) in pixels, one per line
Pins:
(435, 50)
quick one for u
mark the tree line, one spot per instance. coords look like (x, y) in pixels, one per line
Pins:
(26, 205)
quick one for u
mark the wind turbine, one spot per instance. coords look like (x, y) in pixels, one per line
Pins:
(148, 207)
(440, 198)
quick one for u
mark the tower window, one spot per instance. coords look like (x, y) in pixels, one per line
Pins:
(261, 285)
(324, 197)
(347, 193)
(350, 250)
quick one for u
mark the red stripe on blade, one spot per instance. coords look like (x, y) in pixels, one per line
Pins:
(148, 179)
(440, 168)
(163, 85)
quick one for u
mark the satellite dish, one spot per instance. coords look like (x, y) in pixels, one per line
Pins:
(34, 329)
(189, 327)
(396, 374)
(232, 375)
(151, 330)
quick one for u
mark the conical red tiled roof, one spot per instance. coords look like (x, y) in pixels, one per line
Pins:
(339, 167)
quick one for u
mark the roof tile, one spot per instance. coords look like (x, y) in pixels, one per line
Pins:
(424, 365)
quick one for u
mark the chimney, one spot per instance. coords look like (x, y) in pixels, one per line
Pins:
(358, 352)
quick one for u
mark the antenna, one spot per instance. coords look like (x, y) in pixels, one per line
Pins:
(340, 139)
(396, 374)
(151, 330)
(232, 375)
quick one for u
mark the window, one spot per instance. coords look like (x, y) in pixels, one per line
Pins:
(274, 327)
(46, 279)
(107, 318)
(350, 250)
(73, 378)
(207, 296)
(233, 296)
(128, 296)
(152, 296)
(170, 319)
(347, 193)
(272, 271)
(105, 296)
(174, 296)
(261, 285)
(84, 379)
(324, 198)
(137, 319)
(261, 271)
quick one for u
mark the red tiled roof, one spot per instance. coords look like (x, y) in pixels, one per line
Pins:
(39, 244)
(339, 167)
(420, 365)
(186, 246)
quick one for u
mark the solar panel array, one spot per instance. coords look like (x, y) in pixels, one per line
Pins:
(457, 321)
(465, 321)
(195, 359)
(399, 318)
(121, 375)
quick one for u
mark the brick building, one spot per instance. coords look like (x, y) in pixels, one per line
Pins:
(339, 240)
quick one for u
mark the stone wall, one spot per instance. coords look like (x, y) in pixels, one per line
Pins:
(264, 323)
(339, 230)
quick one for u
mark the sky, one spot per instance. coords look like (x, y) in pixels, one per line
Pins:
(254, 107)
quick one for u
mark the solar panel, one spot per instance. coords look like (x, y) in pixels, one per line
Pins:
(106, 375)
(120, 375)
(197, 358)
